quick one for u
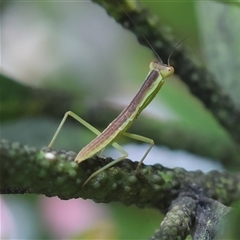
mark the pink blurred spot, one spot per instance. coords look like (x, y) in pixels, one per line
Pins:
(65, 218)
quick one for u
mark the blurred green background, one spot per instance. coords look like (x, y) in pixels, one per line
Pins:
(78, 48)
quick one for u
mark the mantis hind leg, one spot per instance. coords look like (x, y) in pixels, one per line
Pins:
(124, 155)
(142, 139)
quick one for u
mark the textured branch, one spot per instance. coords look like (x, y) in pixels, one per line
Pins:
(212, 220)
(29, 170)
(178, 220)
(201, 217)
(198, 79)
(54, 173)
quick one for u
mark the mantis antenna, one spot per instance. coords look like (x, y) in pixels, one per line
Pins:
(155, 52)
(175, 49)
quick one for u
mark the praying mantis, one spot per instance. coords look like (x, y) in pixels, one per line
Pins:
(119, 126)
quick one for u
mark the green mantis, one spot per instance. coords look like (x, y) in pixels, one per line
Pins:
(150, 87)
(119, 126)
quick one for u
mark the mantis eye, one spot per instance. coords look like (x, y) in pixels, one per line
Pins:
(162, 68)
(167, 71)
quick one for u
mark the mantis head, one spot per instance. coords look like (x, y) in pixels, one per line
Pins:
(164, 69)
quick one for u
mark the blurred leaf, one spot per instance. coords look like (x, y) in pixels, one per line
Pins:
(219, 28)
